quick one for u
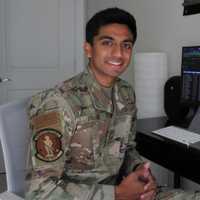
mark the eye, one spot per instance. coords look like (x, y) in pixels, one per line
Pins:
(107, 42)
(127, 45)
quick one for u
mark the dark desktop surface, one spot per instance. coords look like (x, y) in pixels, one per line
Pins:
(183, 160)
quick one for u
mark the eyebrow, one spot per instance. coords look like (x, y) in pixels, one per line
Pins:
(103, 37)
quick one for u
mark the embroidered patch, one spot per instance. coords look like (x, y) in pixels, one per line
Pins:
(48, 144)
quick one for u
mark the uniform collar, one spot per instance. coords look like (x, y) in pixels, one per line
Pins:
(99, 98)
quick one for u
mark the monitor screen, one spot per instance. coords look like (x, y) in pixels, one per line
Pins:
(190, 75)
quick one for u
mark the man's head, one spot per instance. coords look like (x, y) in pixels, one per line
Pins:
(110, 16)
(110, 36)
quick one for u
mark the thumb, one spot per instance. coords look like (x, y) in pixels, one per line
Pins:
(147, 165)
(146, 168)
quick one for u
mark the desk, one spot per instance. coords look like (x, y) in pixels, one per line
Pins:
(183, 160)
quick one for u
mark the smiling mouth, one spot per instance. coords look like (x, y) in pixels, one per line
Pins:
(115, 63)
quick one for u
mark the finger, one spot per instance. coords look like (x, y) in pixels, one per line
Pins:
(147, 165)
(143, 179)
(149, 187)
(152, 180)
(151, 175)
(148, 195)
(143, 172)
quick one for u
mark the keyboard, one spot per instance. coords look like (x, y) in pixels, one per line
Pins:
(178, 134)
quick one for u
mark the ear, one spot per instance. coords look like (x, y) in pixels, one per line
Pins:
(88, 49)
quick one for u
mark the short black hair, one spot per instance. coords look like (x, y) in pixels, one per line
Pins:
(110, 16)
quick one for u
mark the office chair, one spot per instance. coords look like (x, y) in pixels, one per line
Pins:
(14, 135)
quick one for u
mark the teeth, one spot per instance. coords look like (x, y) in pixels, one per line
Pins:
(114, 62)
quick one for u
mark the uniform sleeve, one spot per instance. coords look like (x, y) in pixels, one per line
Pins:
(132, 158)
(53, 123)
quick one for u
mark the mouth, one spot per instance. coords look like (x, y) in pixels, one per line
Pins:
(115, 63)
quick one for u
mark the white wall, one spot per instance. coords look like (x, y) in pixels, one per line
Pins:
(162, 27)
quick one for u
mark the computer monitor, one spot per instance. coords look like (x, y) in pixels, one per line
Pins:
(190, 83)
(190, 75)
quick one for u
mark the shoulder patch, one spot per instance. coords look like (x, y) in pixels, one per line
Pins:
(48, 144)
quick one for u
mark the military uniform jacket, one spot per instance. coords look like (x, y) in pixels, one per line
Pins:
(81, 139)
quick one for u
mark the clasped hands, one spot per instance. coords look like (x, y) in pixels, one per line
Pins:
(138, 185)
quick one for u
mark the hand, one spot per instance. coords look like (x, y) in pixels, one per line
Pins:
(131, 187)
(148, 178)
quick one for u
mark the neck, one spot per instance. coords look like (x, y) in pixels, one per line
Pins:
(102, 79)
(105, 81)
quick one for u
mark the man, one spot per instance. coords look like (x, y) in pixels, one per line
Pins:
(83, 130)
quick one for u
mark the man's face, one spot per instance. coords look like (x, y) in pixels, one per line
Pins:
(110, 53)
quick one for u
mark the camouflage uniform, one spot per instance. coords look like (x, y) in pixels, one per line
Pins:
(81, 139)
(178, 195)
(80, 136)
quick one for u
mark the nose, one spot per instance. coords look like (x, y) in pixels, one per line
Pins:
(117, 50)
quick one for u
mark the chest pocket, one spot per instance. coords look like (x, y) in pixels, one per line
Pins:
(116, 143)
(85, 143)
(120, 130)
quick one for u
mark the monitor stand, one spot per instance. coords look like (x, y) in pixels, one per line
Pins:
(194, 125)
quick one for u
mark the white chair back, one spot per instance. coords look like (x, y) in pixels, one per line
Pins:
(15, 135)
